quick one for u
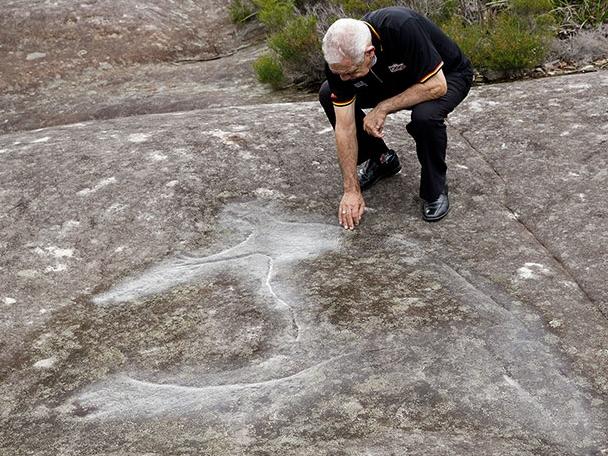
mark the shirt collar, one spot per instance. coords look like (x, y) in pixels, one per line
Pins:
(376, 41)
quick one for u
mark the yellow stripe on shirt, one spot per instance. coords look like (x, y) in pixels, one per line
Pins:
(373, 30)
(344, 103)
(432, 73)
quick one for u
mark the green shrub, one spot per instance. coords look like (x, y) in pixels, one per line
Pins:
(296, 41)
(275, 14)
(269, 71)
(513, 45)
(241, 10)
(471, 38)
(446, 12)
(497, 35)
(515, 37)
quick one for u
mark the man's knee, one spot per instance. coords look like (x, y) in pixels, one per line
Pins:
(427, 115)
(325, 94)
(426, 121)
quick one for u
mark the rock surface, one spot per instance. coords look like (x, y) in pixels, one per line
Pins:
(177, 284)
(44, 39)
(122, 91)
(103, 60)
(173, 280)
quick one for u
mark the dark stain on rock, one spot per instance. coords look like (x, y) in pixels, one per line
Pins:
(81, 411)
(217, 323)
(354, 295)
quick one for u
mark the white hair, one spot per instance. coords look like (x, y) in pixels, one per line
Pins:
(346, 39)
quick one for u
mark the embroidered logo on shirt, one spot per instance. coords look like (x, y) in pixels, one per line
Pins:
(360, 84)
(396, 67)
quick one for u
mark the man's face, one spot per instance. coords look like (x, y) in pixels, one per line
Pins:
(348, 70)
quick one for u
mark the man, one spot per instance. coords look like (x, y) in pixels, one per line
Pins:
(390, 60)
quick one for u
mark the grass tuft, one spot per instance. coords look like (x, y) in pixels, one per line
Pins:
(241, 10)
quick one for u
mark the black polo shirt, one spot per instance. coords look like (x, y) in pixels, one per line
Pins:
(410, 49)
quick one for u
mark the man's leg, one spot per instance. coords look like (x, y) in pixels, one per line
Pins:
(369, 146)
(427, 127)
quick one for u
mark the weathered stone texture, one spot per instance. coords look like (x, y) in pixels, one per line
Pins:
(177, 284)
(44, 40)
(173, 280)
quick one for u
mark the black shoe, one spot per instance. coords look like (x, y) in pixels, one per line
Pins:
(432, 212)
(378, 168)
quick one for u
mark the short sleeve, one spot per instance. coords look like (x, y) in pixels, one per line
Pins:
(422, 58)
(342, 92)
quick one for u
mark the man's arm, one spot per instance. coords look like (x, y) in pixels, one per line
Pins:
(433, 88)
(352, 204)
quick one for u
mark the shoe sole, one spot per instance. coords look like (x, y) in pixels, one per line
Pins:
(374, 182)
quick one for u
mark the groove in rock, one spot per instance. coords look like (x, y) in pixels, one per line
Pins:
(555, 256)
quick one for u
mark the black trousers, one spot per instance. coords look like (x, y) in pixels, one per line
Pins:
(427, 127)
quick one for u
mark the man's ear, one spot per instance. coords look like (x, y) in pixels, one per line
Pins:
(370, 49)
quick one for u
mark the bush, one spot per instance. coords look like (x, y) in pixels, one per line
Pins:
(294, 43)
(513, 45)
(357, 8)
(531, 7)
(269, 71)
(512, 38)
(274, 14)
(498, 35)
(436, 9)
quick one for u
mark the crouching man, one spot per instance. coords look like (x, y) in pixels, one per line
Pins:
(390, 60)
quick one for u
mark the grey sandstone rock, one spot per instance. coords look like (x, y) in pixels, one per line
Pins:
(76, 35)
(173, 280)
(177, 284)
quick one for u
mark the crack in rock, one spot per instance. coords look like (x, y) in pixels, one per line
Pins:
(555, 256)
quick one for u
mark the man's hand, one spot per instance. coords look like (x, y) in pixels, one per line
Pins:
(351, 209)
(373, 123)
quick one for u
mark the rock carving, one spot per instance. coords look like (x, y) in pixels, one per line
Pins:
(275, 242)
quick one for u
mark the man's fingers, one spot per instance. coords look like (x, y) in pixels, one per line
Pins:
(379, 130)
(343, 216)
(357, 214)
(361, 211)
(349, 220)
(373, 126)
(350, 211)
(347, 217)
(374, 130)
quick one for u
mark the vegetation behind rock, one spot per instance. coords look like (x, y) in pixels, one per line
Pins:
(501, 37)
